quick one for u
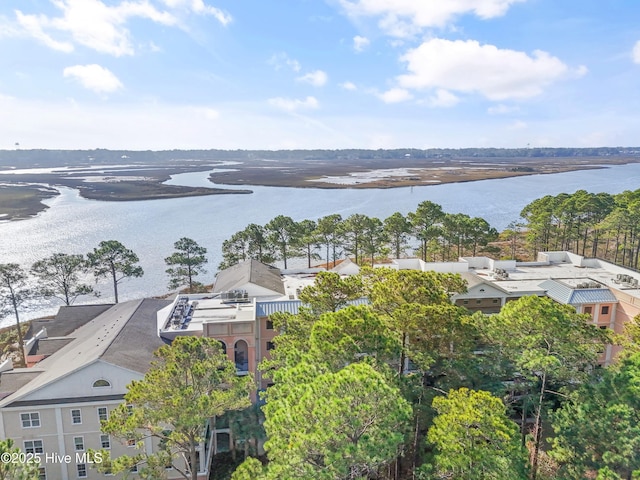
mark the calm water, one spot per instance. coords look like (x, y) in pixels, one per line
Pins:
(76, 225)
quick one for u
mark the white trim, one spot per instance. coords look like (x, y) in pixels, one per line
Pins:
(75, 445)
(73, 422)
(86, 470)
(33, 447)
(61, 444)
(98, 413)
(30, 419)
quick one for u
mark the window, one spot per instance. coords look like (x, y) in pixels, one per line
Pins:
(478, 302)
(134, 469)
(33, 446)
(465, 302)
(105, 441)
(42, 473)
(103, 414)
(101, 383)
(76, 417)
(82, 470)
(269, 325)
(603, 327)
(131, 442)
(588, 310)
(605, 310)
(30, 420)
(78, 443)
(495, 300)
(270, 346)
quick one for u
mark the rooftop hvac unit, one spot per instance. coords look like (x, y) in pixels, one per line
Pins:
(234, 296)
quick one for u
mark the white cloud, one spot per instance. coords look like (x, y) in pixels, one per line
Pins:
(93, 24)
(348, 86)
(360, 43)
(101, 26)
(32, 26)
(395, 95)
(502, 109)
(467, 66)
(280, 60)
(402, 18)
(94, 77)
(317, 78)
(443, 98)
(636, 52)
(200, 8)
(292, 104)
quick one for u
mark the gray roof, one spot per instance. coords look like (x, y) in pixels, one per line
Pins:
(249, 271)
(266, 309)
(48, 346)
(563, 293)
(68, 319)
(473, 279)
(12, 380)
(125, 335)
(133, 347)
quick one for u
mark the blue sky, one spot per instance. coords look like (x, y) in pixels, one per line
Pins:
(283, 74)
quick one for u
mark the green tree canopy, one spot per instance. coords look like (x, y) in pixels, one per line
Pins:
(112, 259)
(191, 381)
(283, 234)
(545, 342)
(338, 425)
(598, 429)
(60, 275)
(330, 292)
(14, 292)
(474, 439)
(16, 470)
(186, 263)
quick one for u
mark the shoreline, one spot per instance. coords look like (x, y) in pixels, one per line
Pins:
(22, 199)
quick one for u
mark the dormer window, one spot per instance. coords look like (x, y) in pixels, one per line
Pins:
(101, 383)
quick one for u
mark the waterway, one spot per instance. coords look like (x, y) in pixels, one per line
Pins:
(73, 224)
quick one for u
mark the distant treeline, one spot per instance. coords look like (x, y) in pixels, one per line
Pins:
(43, 157)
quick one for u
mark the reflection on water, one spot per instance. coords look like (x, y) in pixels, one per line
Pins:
(77, 225)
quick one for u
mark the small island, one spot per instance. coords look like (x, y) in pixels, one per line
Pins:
(29, 176)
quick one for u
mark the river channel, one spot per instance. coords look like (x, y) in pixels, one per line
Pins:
(73, 224)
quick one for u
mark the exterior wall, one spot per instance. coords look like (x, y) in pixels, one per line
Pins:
(57, 432)
(446, 267)
(230, 333)
(484, 305)
(80, 383)
(266, 335)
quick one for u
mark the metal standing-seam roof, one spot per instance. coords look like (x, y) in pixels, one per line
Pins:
(567, 295)
(266, 309)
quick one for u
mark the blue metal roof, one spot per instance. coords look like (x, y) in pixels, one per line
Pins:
(266, 309)
(560, 292)
(563, 293)
(596, 295)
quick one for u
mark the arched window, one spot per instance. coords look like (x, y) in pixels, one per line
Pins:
(101, 383)
(223, 346)
(241, 356)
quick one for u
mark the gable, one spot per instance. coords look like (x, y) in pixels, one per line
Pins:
(79, 383)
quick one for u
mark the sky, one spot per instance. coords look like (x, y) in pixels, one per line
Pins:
(306, 74)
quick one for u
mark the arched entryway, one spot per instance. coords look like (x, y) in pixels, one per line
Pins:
(241, 356)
